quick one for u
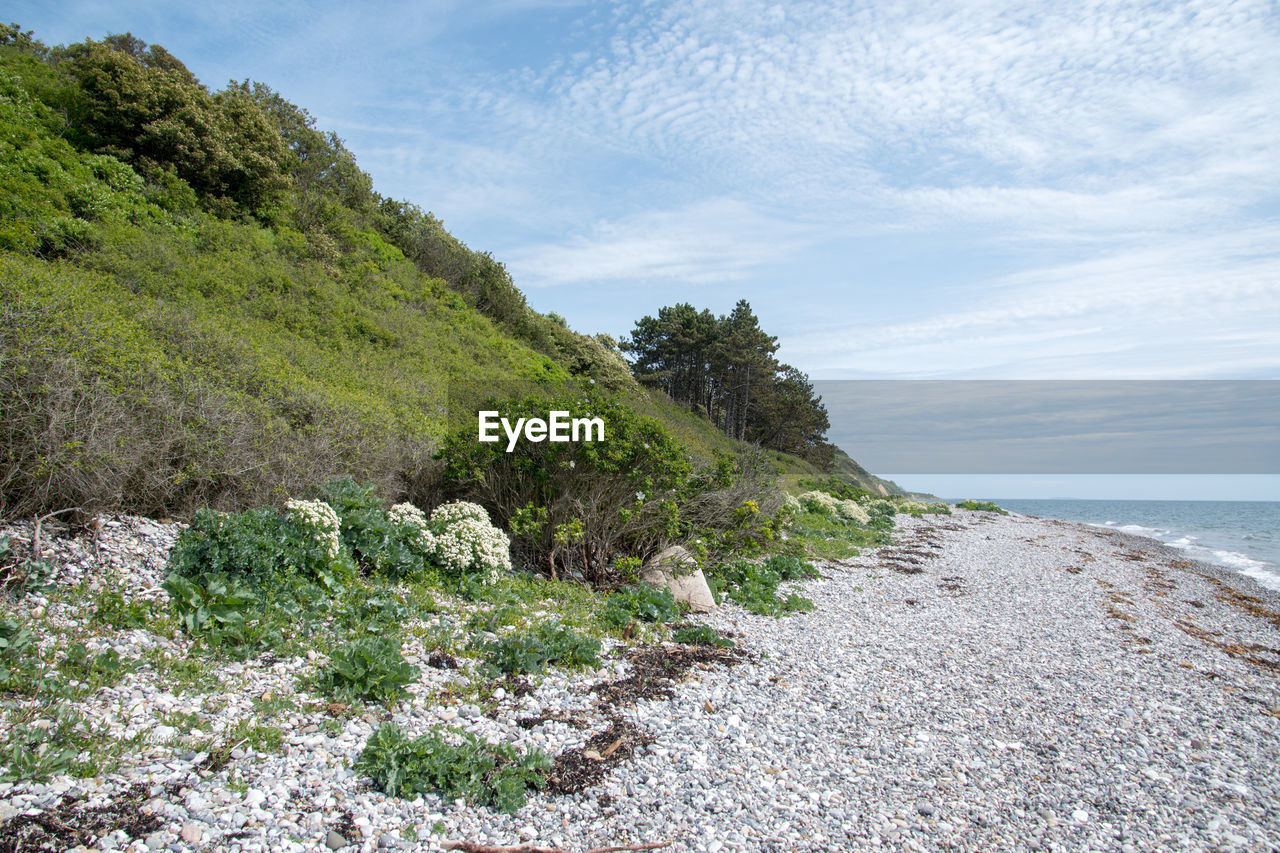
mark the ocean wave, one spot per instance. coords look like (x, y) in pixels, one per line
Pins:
(1139, 530)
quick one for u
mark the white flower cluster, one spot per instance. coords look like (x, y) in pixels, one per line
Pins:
(853, 511)
(913, 506)
(407, 514)
(882, 505)
(323, 522)
(790, 504)
(458, 510)
(470, 544)
(821, 502)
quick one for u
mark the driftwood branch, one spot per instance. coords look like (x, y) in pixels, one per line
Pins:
(473, 847)
(35, 535)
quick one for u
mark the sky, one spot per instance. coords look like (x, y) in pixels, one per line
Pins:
(901, 190)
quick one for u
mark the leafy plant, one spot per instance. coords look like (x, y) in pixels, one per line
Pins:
(18, 663)
(548, 643)
(93, 671)
(211, 604)
(114, 610)
(642, 603)
(755, 588)
(21, 576)
(452, 764)
(981, 506)
(375, 541)
(35, 753)
(368, 668)
(790, 567)
(701, 635)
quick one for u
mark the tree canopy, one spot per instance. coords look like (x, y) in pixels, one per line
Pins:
(725, 368)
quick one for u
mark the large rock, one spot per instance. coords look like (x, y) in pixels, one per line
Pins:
(677, 570)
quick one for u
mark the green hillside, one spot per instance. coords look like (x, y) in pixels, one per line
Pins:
(206, 304)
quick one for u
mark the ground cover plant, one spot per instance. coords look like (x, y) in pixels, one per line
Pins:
(369, 668)
(754, 586)
(453, 764)
(533, 650)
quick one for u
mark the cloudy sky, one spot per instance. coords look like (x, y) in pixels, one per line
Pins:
(908, 190)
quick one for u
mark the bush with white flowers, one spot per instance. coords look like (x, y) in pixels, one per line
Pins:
(466, 542)
(853, 511)
(321, 521)
(820, 502)
(459, 511)
(826, 504)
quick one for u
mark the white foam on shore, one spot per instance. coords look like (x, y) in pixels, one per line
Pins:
(1264, 573)
(1256, 569)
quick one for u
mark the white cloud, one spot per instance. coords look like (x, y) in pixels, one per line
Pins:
(708, 241)
(1205, 307)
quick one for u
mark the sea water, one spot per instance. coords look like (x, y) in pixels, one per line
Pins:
(1241, 535)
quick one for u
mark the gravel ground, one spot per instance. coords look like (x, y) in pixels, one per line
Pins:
(987, 682)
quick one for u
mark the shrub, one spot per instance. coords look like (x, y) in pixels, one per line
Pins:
(573, 507)
(549, 643)
(981, 506)
(733, 505)
(377, 542)
(493, 775)
(825, 504)
(641, 603)
(260, 547)
(368, 668)
(467, 543)
(701, 635)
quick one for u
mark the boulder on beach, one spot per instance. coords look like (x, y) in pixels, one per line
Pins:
(677, 570)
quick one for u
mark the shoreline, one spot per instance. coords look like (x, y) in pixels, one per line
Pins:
(985, 682)
(1222, 572)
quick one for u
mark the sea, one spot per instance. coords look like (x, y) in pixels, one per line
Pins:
(1240, 535)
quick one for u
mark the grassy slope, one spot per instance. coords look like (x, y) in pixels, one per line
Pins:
(300, 340)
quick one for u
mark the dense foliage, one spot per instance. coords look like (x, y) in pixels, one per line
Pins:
(725, 368)
(205, 303)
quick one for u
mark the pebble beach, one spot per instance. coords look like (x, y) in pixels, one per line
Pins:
(986, 682)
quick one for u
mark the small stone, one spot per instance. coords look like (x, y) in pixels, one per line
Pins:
(1080, 816)
(191, 833)
(925, 808)
(334, 841)
(155, 841)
